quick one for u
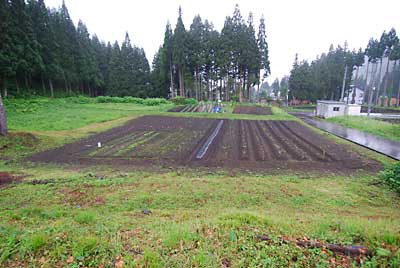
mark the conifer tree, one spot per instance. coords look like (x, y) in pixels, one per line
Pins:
(179, 52)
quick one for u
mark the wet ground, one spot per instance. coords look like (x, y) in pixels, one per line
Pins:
(381, 145)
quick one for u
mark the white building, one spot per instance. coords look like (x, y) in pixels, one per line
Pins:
(326, 109)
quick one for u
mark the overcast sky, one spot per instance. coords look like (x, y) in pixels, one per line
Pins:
(306, 27)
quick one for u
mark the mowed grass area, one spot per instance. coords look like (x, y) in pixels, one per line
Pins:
(45, 114)
(376, 127)
(57, 216)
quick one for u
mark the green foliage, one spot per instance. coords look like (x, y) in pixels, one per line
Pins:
(147, 102)
(85, 217)
(35, 241)
(184, 101)
(85, 246)
(391, 175)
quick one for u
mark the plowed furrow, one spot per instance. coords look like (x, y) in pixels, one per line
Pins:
(284, 142)
(252, 146)
(130, 147)
(261, 153)
(113, 146)
(315, 152)
(306, 138)
(277, 152)
(243, 146)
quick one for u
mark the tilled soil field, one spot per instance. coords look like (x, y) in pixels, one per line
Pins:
(252, 110)
(158, 141)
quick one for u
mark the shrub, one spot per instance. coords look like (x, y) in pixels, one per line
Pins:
(154, 101)
(129, 99)
(80, 100)
(391, 175)
(184, 101)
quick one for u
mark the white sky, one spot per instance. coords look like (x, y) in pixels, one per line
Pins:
(307, 27)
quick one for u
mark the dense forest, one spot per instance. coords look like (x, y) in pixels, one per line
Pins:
(205, 64)
(375, 70)
(43, 53)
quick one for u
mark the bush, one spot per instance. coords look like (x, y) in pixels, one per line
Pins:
(391, 175)
(154, 101)
(184, 101)
(129, 99)
(80, 100)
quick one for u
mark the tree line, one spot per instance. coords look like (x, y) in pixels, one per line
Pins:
(375, 70)
(41, 52)
(203, 63)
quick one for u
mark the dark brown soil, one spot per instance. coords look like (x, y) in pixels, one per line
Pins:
(252, 110)
(250, 145)
(7, 178)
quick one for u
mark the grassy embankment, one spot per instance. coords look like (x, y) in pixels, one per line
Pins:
(93, 217)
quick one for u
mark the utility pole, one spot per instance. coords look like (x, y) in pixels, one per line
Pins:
(344, 84)
(345, 73)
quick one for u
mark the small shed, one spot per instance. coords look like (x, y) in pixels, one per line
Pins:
(326, 109)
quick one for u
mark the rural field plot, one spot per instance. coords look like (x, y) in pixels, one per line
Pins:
(211, 143)
(258, 110)
(256, 144)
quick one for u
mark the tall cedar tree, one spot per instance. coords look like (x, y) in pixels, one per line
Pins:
(179, 51)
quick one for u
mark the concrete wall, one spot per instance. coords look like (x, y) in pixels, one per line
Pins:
(326, 110)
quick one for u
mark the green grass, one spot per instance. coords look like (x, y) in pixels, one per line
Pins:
(47, 115)
(93, 217)
(376, 127)
(196, 218)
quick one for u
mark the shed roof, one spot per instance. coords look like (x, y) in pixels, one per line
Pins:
(331, 102)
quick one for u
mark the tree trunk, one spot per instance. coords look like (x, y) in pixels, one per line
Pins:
(171, 77)
(43, 85)
(3, 120)
(353, 99)
(26, 82)
(398, 93)
(4, 79)
(384, 103)
(366, 84)
(371, 91)
(17, 85)
(240, 90)
(392, 83)
(90, 90)
(181, 82)
(248, 90)
(378, 90)
(66, 84)
(51, 88)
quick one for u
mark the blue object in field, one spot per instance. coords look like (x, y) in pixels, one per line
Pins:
(217, 109)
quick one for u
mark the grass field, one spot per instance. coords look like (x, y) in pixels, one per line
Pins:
(59, 216)
(376, 127)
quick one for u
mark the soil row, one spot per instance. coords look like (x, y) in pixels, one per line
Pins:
(163, 141)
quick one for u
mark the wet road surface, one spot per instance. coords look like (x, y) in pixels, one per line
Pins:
(381, 145)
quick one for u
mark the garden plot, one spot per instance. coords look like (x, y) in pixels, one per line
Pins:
(152, 141)
(276, 145)
(252, 110)
(194, 108)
